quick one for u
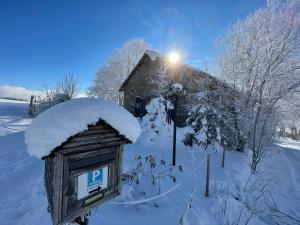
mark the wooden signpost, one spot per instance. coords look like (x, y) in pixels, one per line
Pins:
(83, 172)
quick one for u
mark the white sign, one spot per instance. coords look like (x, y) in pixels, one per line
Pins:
(92, 181)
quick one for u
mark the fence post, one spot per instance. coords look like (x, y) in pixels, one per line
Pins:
(223, 157)
(31, 105)
(207, 175)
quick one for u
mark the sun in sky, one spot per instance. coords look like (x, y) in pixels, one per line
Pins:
(174, 57)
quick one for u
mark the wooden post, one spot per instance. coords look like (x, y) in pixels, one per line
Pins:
(223, 157)
(31, 105)
(207, 175)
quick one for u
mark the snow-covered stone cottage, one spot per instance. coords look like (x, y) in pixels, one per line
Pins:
(154, 75)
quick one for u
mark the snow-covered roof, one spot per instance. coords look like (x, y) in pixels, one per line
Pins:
(152, 54)
(54, 126)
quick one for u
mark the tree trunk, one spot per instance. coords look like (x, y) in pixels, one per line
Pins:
(240, 143)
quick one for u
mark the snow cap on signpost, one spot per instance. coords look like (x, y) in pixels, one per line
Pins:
(54, 126)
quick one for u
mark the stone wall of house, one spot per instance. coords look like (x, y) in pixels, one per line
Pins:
(142, 83)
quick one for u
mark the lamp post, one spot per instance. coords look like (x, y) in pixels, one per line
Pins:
(174, 57)
(176, 89)
(174, 101)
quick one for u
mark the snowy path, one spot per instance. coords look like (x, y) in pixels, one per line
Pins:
(293, 157)
(23, 200)
(282, 167)
(21, 180)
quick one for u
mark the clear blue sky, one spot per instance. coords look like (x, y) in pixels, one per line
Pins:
(42, 40)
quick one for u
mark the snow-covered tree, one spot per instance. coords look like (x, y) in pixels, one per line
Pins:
(115, 70)
(290, 116)
(161, 82)
(68, 86)
(204, 126)
(260, 60)
(65, 89)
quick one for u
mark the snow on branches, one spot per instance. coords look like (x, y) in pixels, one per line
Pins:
(204, 123)
(260, 60)
(115, 70)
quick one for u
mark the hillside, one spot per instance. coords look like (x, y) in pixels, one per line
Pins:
(17, 93)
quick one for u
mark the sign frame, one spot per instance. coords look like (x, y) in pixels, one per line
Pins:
(98, 146)
(66, 172)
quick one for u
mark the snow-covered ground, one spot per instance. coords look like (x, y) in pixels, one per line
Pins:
(235, 195)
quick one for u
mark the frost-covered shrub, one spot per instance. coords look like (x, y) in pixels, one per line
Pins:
(154, 123)
(203, 126)
(50, 100)
(149, 173)
(133, 176)
(242, 202)
(64, 90)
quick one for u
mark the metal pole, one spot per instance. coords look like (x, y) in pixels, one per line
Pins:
(174, 132)
(207, 175)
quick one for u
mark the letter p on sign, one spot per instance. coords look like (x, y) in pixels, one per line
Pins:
(96, 173)
(95, 177)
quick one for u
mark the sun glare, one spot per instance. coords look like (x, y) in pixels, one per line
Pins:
(174, 57)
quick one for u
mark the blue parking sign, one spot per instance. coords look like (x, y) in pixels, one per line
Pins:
(92, 181)
(95, 177)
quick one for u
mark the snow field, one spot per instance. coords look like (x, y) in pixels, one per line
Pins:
(24, 202)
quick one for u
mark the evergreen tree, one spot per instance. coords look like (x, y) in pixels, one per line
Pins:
(204, 124)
